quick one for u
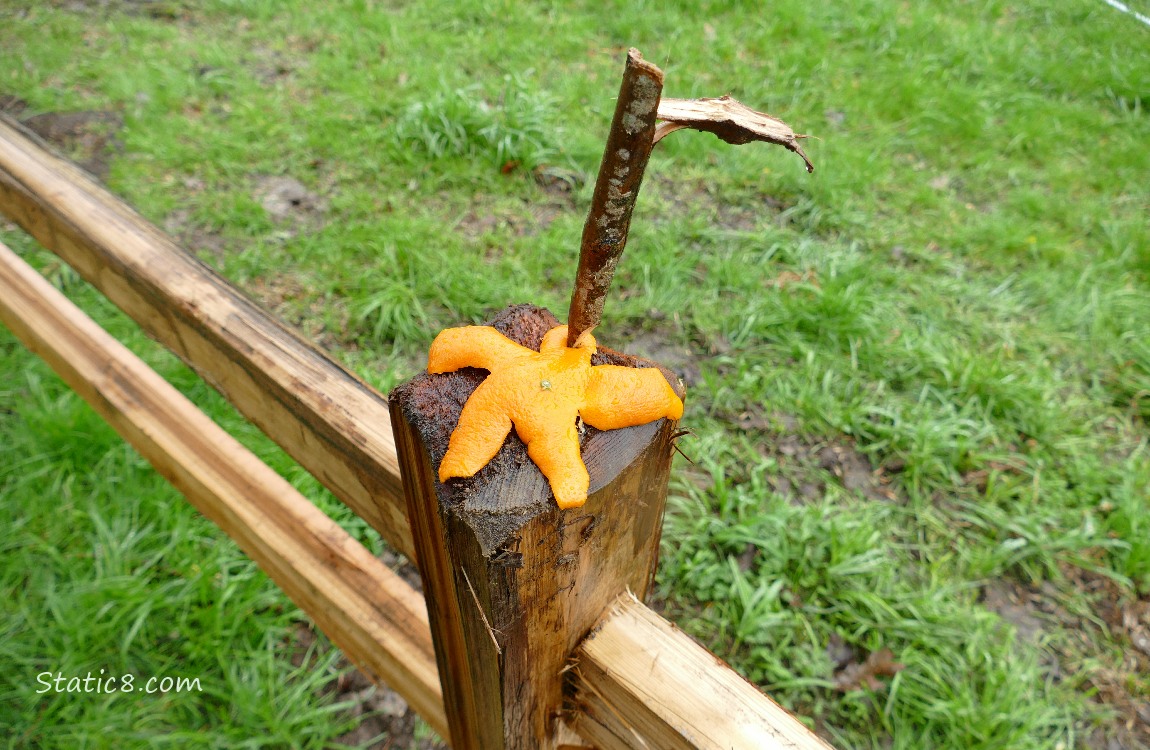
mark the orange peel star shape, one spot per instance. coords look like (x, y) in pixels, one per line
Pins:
(541, 393)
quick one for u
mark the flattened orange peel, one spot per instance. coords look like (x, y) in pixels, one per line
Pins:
(540, 394)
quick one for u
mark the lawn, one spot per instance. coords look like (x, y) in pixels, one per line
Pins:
(918, 379)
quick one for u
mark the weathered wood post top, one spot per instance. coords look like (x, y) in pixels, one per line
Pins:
(514, 581)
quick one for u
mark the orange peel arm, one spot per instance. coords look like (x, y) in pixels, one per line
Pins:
(471, 346)
(556, 340)
(627, 396)
(557, 456)
(482, 428)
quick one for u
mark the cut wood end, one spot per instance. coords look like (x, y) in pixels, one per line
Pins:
(730, 120)
(635, 59)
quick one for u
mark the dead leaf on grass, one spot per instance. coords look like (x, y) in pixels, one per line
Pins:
(728, 119)
(788, 278)
(1136, 621)
(857, 676)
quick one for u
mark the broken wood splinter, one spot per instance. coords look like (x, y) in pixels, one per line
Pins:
(730, 120)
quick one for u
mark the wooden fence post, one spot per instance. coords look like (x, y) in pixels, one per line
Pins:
(512, 582)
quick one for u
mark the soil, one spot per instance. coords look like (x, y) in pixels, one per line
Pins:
(1016, 605)
(201, 241)
(87, 138)
(1126, 620)
(1041, 615)
(484, 217)
(559, 190)
(277, 292)
(677, 358)
(678, 198)
(163, 10)
(388, 723)
(806, 463)
(287, 201)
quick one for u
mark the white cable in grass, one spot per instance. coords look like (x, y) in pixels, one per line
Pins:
(1127, 9)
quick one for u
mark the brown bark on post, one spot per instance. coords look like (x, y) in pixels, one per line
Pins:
(513, 583)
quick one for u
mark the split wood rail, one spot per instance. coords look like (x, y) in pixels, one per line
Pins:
(636, 681)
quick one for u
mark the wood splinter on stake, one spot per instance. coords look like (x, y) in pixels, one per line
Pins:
(514, 582)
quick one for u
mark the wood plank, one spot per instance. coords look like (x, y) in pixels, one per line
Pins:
(326, 418)
(514, 582)
(375, 617)
(640, 682)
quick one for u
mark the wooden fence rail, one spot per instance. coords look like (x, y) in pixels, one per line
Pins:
(371, 613)
(336, 426)
(636, 682)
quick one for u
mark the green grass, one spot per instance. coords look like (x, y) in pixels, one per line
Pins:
(108, 571)
(960, 293)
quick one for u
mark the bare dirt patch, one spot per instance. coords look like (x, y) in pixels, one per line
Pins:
(531, 216)
(485, 217)
(323, 321)
(12, 105)
(1046, 616)
(807, 462)
(198, 239)
(183, 227)
(699, 197)
(678, 358)
(287, 201)
(162, 10)
(1018, 606)
(272, 66)
(277, 292)
(1123, 688)
(88, 138)
(387, 721)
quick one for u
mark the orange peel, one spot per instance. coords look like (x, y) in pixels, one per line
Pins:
(540, 394)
